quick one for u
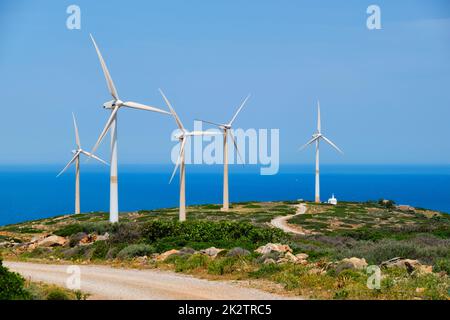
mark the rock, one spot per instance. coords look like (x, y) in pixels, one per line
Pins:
(212, 252)
(165, 255)
(238, 252)
(38, 238)
(277, 247)
(290, 257)
(425, 269)
(88, 239)
(420, 290)
(316, 271)
(76, 238)
(302, 256)
(269, 261)
(186, 251)
(408, 264)
(351, 263)
(8, 244)
(52, 241)
(142, 260)
(103, 237)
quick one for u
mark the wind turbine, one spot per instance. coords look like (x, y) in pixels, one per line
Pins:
(182, 137)
(316, 138)
(226, 127)
(76, 158)
(114, 105)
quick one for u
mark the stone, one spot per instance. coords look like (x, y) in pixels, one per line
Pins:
(238, 252)
(103, 237)
(142, 260)
(165, 255)
(52, 241)
(88, 239)
(277, 247)
(302, 256)
(38, 238)
(212, 252)
(187, 251)
(290, 257)
(316, 271)
(269, 261)
(408, 264)
(351, 263)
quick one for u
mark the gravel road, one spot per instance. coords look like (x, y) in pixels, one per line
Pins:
(104, 282)
(281, 222)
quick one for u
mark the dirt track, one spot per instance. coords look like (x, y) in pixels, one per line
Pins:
(104, 282)
(282, 221)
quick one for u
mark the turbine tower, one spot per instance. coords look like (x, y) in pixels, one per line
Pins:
(182, 137)
(226, 127)
(76, 158)
(114, 105)
(316, 138)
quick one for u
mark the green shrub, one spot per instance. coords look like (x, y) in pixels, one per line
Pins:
(136, 250)
(227, 265)
(187, 263)
(224, 234)
(125, 233)
(266, 270)
(86, 227)
(442, 265)
(11, 285)
(57, 294)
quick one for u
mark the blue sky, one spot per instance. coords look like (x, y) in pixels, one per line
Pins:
(384, 94)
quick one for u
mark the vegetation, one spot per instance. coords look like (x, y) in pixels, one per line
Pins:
(14, 287)
(376, 231)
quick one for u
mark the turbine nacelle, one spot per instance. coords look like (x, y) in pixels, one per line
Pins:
(112, 104)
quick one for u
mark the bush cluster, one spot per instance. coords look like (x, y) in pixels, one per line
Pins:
(11, 285)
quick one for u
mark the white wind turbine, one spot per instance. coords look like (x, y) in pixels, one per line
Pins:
(114, 105)
(182, 137)
(226, 128)
(76, 158)
(316, 138)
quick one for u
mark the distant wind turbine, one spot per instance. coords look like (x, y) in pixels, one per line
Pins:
(114, 105)
(182, 137)
(76, 158)
(226, 128)
(316, 138)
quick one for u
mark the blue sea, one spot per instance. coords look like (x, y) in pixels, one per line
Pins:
(32, 192)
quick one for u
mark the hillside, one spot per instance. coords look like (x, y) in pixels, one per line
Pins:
(329, 260)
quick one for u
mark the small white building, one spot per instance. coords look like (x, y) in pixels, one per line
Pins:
(332, 200)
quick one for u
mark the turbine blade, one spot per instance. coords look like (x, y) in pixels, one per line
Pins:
(178, 160)
(308, 143)
(177, 119)
(77, 137)
(204, 133)
(94, 156)
(235, 146)
(105, 130)
(213, 123)
(140, 106)
(109, 81)
(332, 144)
(239, 110)
(68, 164)
(318, 118)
